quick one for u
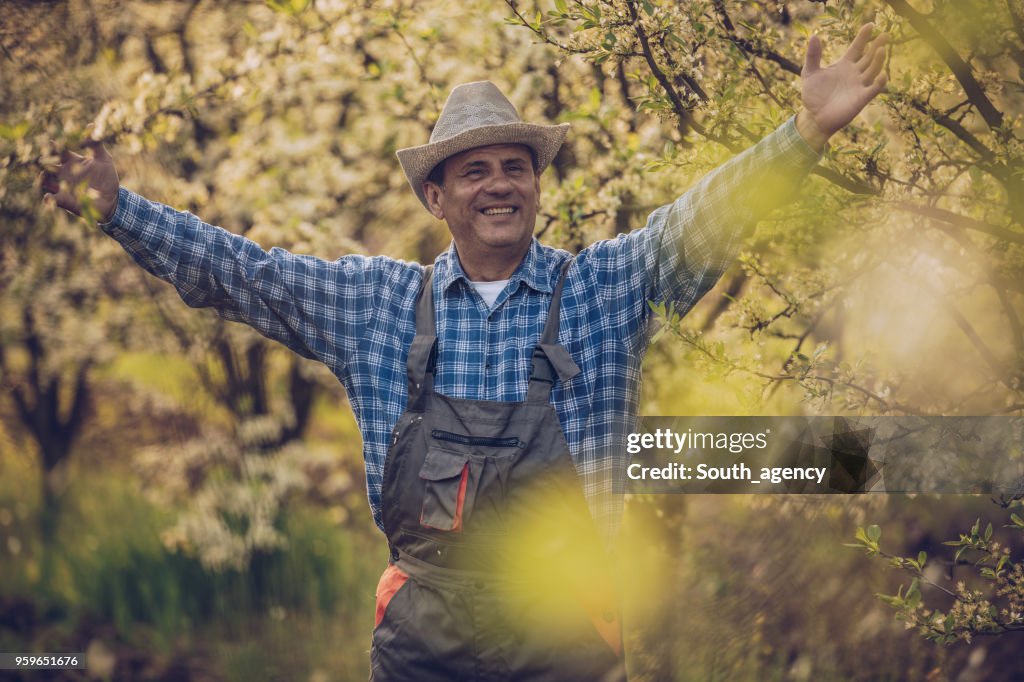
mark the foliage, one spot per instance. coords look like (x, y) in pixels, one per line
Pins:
(996, 607)
(115, 583)
(906, 249)
(754, 588)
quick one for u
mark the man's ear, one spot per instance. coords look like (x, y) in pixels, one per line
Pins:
(433, 192)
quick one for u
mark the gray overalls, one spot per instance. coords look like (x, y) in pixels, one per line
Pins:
(497, 571)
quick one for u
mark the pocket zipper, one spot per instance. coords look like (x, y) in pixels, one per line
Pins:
(486, 441)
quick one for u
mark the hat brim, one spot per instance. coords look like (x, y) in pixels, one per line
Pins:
(545, 140)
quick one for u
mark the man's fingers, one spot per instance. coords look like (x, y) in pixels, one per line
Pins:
(877, 45)
(58, 192)
(95, 146)
(63, 200)
(878, 84)
(70, 160)
(874, 68)
(856, 50)
(812, 60)
(99, 151)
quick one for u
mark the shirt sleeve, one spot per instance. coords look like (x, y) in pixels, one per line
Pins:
(314, 307)
(687, 245)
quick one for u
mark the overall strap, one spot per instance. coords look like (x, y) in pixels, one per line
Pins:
(550, 359)
(423, 352)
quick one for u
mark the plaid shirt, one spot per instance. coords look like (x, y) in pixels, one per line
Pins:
(356, 314)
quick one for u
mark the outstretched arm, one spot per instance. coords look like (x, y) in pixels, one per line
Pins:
(688, 244)
(315, 307)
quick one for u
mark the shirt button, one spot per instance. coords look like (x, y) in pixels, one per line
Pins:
(394, 554)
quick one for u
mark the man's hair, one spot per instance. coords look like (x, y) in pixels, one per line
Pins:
(436, 174)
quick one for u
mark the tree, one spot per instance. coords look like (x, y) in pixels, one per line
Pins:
(931, 189)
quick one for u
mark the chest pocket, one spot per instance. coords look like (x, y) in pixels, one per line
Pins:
(447, 476)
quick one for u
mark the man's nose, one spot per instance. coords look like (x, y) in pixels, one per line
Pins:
(498, 183)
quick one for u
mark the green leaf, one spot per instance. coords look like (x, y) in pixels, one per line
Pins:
(874, 532)
(914, 594)
(648, 8)
(988, 532)
(921, 558)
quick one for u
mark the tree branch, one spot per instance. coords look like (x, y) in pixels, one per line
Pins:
(749, 47)
(543, 35)
(954, 127)
(962, 221)
(683, 114)
(972, 88)
(852, 185)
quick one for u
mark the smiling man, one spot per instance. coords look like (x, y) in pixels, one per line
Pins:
(496, 388)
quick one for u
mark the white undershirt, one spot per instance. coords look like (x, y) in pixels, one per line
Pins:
(489, 290)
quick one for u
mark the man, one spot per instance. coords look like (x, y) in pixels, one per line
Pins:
(494, 390)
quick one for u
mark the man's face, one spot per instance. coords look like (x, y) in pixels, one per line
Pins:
(489, 199)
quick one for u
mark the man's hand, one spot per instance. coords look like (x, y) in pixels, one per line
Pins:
(834, 95)
(93, 173)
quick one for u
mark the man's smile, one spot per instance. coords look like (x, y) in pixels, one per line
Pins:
(499, 210)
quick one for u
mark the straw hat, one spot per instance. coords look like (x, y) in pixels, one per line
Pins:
(476, 115)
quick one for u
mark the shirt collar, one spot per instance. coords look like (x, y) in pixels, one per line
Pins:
(534, 269)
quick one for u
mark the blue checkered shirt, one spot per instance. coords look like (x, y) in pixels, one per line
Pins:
(356, 314)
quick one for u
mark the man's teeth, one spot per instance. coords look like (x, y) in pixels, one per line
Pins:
(499, 211)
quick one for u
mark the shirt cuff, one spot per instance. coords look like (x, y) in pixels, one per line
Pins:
(124, 198)
(792, 142)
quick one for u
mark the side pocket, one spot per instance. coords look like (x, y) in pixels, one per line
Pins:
(390, 582)
(444, 498)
